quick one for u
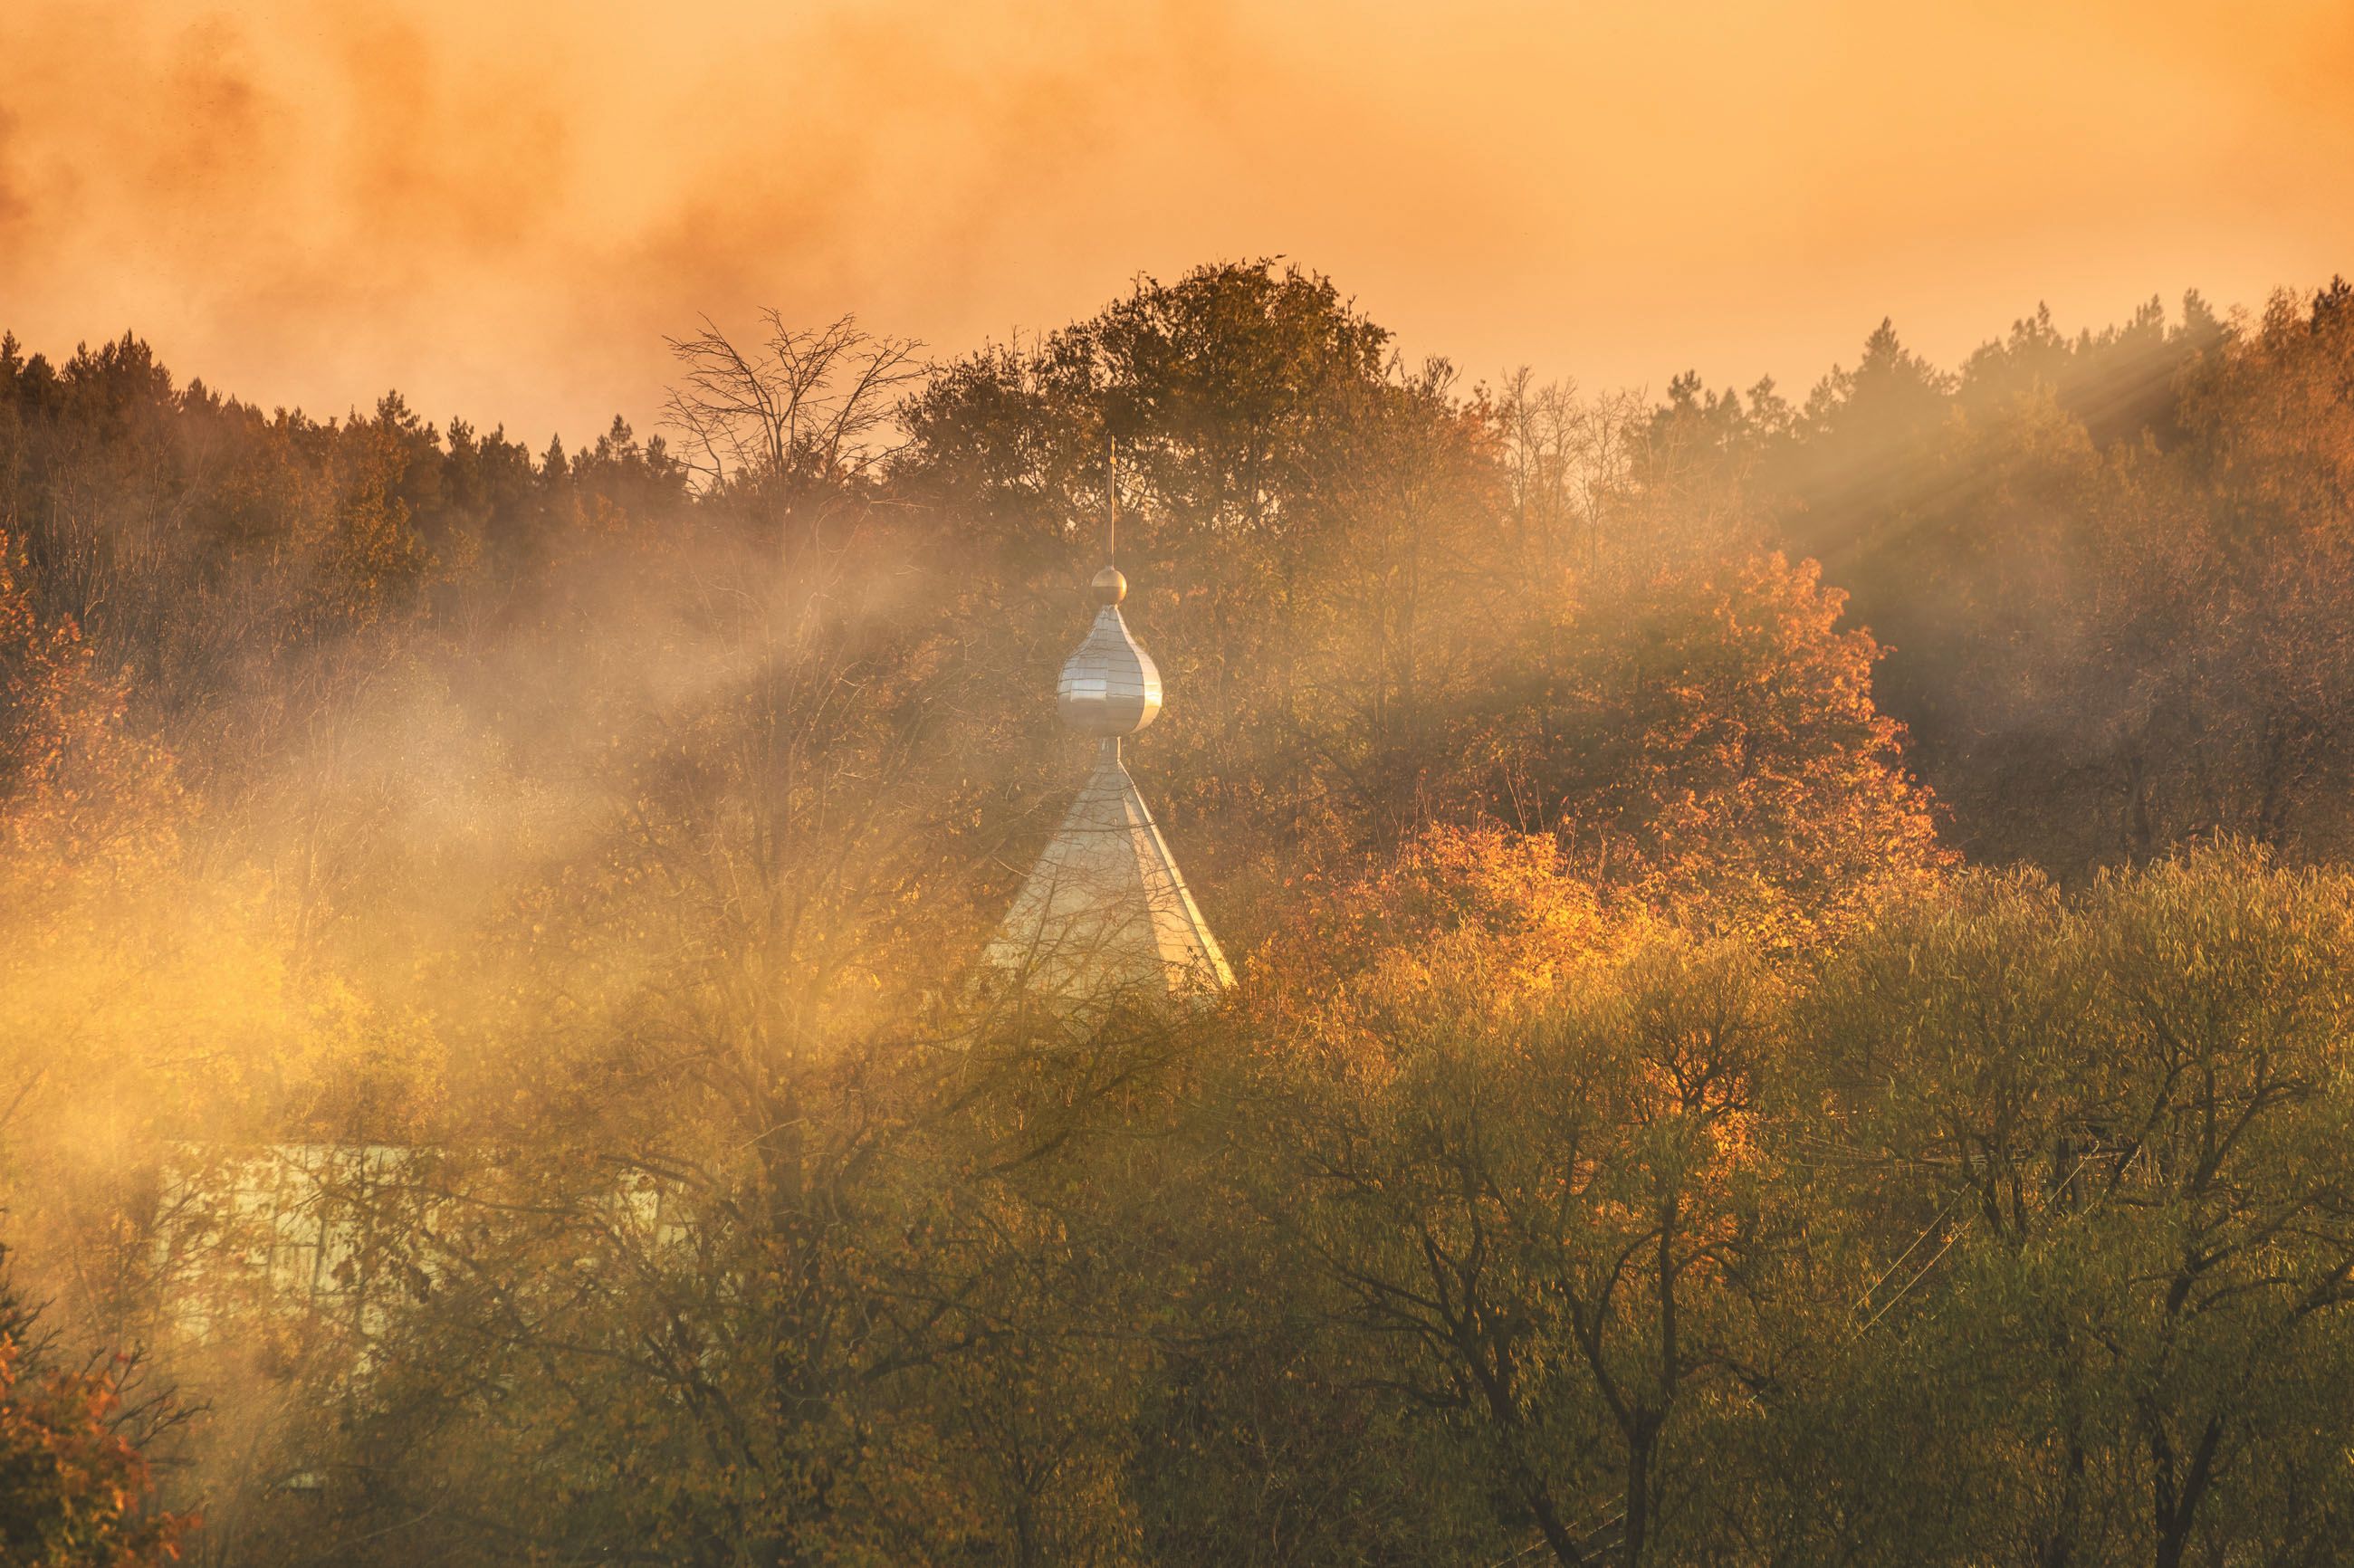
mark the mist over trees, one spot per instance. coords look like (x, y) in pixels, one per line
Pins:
(1794, 959)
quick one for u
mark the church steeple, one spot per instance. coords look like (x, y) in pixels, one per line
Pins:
(1104, 915)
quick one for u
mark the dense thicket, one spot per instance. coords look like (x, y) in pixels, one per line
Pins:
(1738, 1060)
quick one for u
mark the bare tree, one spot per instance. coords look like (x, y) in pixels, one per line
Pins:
(1570, 458)
(804, 405)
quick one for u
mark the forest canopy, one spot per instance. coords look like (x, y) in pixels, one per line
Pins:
(1792, 955)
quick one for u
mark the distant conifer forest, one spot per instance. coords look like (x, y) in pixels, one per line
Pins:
(1794, 956)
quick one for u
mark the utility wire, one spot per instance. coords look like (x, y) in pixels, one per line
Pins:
(1593, 1540)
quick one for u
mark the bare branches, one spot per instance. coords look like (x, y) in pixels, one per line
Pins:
(805, 405)
(1571, 461)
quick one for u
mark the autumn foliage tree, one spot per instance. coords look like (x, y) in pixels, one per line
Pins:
(486, 935)
(1704, 740)
(72, 1488)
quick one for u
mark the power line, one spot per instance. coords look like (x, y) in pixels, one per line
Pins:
(1595, 1539)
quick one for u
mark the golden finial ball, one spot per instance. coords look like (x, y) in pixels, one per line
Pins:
(1109, 587)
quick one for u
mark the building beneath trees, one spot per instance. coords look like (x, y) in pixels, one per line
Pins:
(1104, 917)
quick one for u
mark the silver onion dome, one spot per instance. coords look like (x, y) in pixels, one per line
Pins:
(1109, 687)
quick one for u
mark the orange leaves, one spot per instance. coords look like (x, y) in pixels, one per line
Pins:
(1478, 909)
(72, 1488)
(76, 791)
(1522, 1143)
(1720, 756)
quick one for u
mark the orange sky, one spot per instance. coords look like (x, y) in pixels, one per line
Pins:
(500, 206)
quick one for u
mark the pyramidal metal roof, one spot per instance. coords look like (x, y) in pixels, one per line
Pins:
(1105, 912)
(1104, 915)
